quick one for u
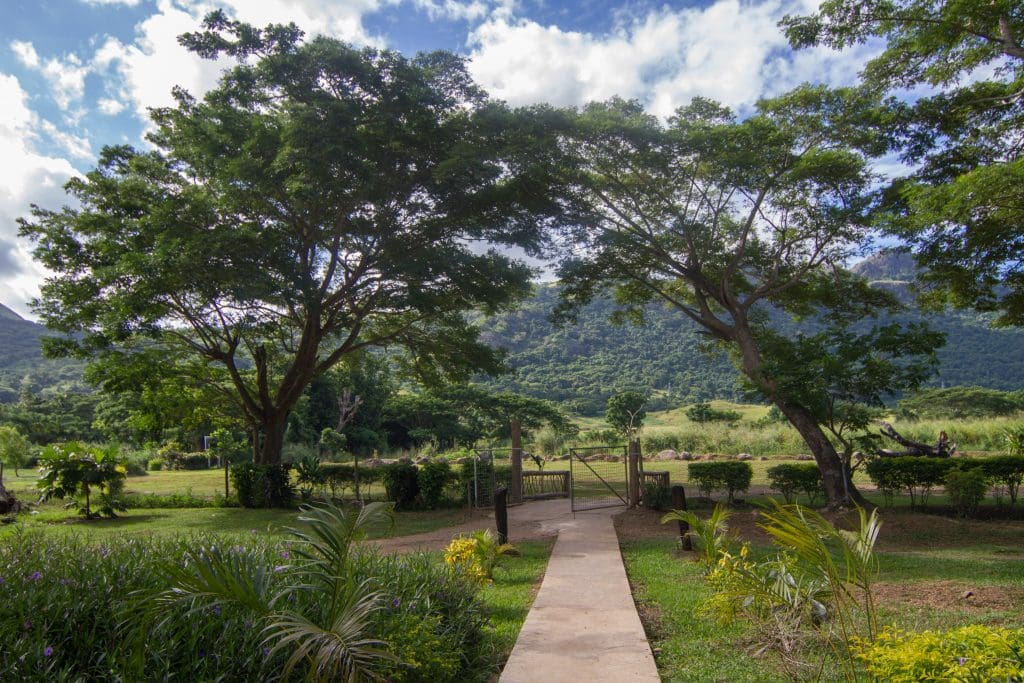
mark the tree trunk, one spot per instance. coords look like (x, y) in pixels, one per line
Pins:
(269, 447)
(839, 487)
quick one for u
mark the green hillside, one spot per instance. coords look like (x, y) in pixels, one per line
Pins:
(581, 365)
(22, 366)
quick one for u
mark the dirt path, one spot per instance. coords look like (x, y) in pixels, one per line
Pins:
(529, 521)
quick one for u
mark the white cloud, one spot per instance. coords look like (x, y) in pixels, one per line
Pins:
(74, 145)
(473, 10)
(26, 177)
(66, 77)
(730, 51)
(154, 63)
(110, 106)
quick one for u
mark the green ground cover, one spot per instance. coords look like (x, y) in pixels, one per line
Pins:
(927, 564)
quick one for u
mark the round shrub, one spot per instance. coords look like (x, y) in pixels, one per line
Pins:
(969, 653)
(155, 464)
(192, 461)
(731, 476)
(434, 479)
(263, 486)
(401, 483)
(792, 479)
(966, 488)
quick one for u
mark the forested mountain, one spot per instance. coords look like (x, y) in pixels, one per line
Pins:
(581, 365)
(22, 366)
(585, 363)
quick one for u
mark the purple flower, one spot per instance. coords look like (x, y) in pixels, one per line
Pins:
(35, 576)
(396, 602)
(28, 624)
(216, 609)
(1, 580)
(48, 651)
(280, 567)
(285, 554)
(266, 652)
(104, 551)
(963, 660)
(65, 582)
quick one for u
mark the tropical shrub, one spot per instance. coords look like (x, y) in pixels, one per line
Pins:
(704, 412)
(155, 464)
(72, 470)
(71, 610)
(969, 653)
(14, 448)
(434, 479)
(917, 475)
(792, 479)
(476, 555)
(1007, 472)
(310, 475)
(965, 488)
(261, 486)
(656, 496)
(192, 461)
(402, 484)
(731, 476)
(712, 536)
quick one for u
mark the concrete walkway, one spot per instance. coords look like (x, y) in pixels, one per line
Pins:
(583, 625)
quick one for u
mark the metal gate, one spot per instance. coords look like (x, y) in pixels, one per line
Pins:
(492, 470)
(598, 477)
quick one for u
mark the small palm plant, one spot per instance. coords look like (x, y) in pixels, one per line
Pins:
(326, 634)
(476, 555)
(712, 535)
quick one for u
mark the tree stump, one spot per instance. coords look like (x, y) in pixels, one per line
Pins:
(8, 503)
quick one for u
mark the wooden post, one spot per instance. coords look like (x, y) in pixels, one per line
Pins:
(516, 485)
(679, 503)
(501, 514)
(633, 480)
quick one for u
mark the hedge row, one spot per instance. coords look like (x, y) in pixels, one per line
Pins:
(917, 476)
(793, 479)
(731, 476)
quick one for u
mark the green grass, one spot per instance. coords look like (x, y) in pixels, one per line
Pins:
(919, 553)
(687, 645)
(516, 581)
(173, 522)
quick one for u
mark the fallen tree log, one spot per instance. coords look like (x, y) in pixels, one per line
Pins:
(942, 449)
(8, 503)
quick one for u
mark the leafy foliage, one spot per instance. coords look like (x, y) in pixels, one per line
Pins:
(476, 555)
(792, 479)
(731, 476)
(625, 412)
(262, 486)
(704, 412)
(961, 207)
(402, 484)
(74, 470)
(333, 219)
(712, 535)
(14, 448)
(966, 487)
(961, 402)
(968, 653)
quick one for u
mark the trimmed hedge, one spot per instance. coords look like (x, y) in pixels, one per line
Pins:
(730, 476)
(263, 486)
(918, 475)
(402, 484)
(793, 479)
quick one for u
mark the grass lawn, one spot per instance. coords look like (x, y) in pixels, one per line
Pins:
(935, 572)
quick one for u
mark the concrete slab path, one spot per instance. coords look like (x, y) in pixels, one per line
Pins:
(583, 625)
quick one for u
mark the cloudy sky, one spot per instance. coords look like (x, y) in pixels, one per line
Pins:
(76, 75)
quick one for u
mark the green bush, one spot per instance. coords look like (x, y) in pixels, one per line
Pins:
(63, 603)
(434, 479)
(263, 486)
(966, 488)
(402, 485)
(792, 479)
(155, 464)
(969, 653)
(72, 470)
(731, 476)
(170, 452)
(656, 496)
(1006, 471)
(192, 461)
(917, 475)
(704, 412)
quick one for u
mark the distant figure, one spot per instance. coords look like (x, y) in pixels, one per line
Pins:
(943, 444)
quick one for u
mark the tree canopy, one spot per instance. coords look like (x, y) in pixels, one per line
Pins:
(724, 220)
(319, 201)
(961, 209)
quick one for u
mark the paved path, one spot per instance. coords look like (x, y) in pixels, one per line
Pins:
(583, 625)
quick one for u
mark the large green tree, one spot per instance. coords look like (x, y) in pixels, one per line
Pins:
(727, 221)
(962, 207)
(319, 201)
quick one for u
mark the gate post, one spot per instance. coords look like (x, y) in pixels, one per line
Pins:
(515, 487)
(501, 515)
(633, 480)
